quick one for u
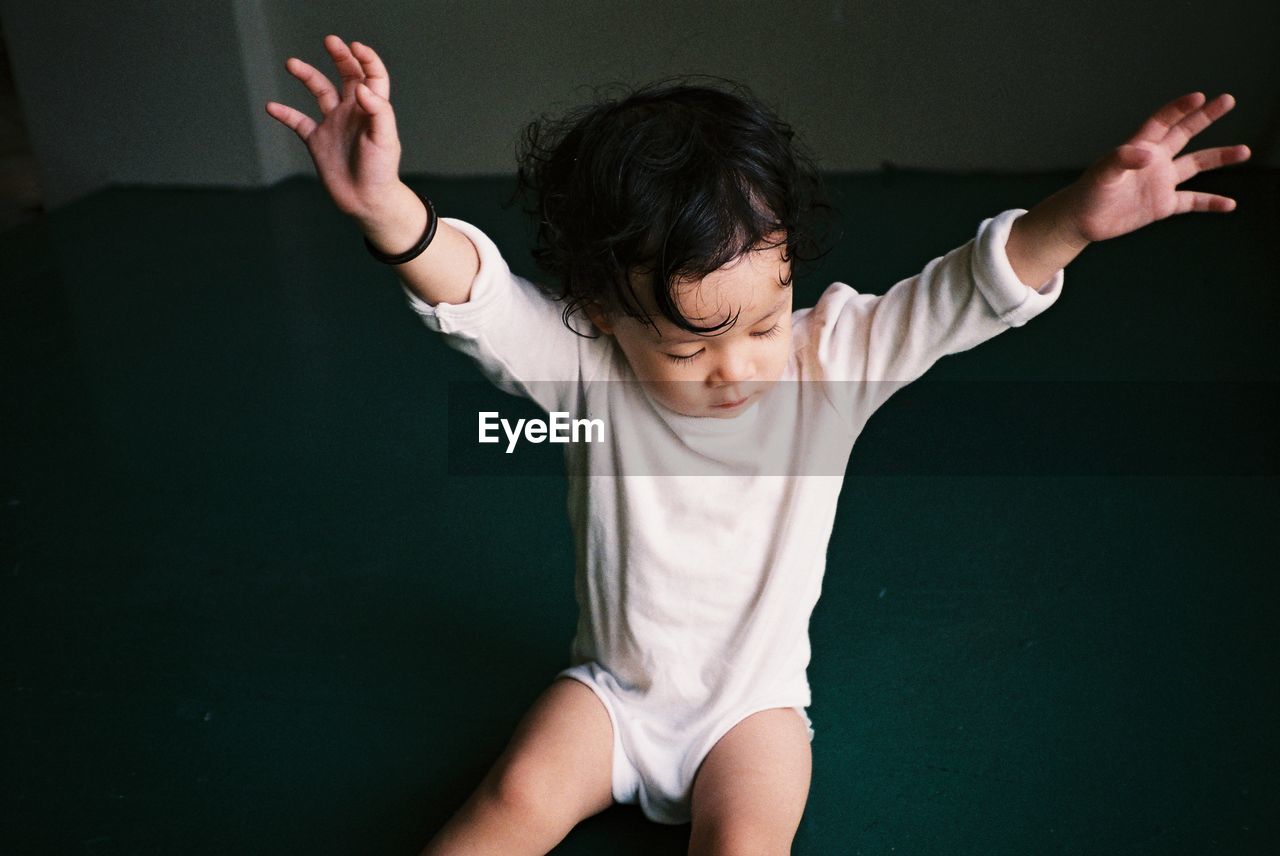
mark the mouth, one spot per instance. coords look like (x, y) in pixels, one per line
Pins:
(730, 405)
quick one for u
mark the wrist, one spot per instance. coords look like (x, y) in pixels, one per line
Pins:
(398, 223)
(1056, 216)
(1043, 241)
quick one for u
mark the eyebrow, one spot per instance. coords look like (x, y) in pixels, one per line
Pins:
(685, 336)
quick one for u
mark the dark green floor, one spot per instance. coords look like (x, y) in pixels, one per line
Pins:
(248, 610)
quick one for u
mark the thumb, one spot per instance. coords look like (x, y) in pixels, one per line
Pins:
(382, 121)
(1121, 160)
(1134, 157)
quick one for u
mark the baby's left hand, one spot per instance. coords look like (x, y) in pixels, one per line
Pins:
(1136, 183)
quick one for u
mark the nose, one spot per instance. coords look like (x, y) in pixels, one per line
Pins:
(733, 368)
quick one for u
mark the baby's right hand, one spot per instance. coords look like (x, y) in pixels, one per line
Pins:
(355, 147)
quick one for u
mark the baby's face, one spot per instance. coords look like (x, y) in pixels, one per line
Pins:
(695, 374)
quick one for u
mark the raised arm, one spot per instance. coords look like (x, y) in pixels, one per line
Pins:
(1132, 185)
(871, 345)
(356, 151)
(444, 271)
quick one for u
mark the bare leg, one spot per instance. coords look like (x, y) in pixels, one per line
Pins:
(556, 770)
(750, 791)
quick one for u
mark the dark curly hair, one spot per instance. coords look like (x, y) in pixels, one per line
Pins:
(673, 179)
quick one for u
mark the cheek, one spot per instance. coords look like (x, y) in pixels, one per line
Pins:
(649, 365)
(783, 347)
(778, 357)
(653, 366)
(677, 380)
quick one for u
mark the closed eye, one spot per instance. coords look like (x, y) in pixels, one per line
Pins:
(775, 330)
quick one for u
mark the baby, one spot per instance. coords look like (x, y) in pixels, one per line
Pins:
(671, 219)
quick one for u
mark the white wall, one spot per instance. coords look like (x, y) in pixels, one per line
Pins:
(137, 92)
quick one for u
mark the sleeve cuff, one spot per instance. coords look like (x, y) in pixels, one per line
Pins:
(448, 317)
(1013, 301)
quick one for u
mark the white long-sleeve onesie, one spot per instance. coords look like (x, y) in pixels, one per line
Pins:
(701, 542)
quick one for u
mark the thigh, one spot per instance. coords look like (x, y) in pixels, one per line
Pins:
(555, 770)
(559, 760)
(750, 791)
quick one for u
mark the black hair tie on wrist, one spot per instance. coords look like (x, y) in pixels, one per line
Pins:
(415, 251)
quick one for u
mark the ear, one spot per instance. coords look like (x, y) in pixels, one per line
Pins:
(599, 317)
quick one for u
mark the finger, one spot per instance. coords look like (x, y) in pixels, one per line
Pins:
(1157, 126)
(301, 123)
(1196, 121)
(1195, 162)
(315, 81)
(375, 73)
(1122, 159)
(1190, 200)
(382, 120)
(348, 66)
